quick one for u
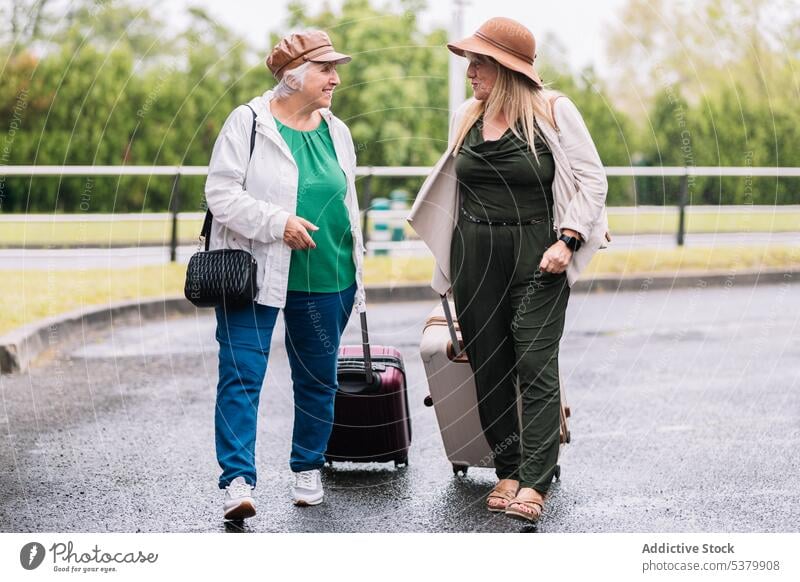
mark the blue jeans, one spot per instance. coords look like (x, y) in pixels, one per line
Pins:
(314, 326)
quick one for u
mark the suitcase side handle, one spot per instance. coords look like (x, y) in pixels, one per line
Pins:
(365, 346)
(449, 317)
(351, 380)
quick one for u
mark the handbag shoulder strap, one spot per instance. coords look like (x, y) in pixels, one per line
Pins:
(252, 130)
(552, 102)
(205, 231)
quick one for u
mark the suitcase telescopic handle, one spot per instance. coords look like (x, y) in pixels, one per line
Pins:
(449, 317)
(365, 346)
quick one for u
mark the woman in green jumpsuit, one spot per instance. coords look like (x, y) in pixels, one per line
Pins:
(507, 266)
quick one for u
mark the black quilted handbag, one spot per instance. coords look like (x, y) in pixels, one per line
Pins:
(226, 277)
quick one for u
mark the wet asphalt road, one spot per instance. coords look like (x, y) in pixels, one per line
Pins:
(686, 418)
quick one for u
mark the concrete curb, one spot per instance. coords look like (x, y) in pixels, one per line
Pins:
(687, 280)
(21, 346)
(641, 281)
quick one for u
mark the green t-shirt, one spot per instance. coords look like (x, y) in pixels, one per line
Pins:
(321, 189)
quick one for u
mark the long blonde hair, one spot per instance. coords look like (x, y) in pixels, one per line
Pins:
(520, 99)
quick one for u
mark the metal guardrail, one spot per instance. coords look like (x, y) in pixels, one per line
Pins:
(401, 171)
(390, 214)
(368, 172)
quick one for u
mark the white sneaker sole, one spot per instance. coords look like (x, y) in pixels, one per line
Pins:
(242, 510)
(307, 501)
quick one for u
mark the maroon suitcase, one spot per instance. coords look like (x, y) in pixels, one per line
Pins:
(371, 415)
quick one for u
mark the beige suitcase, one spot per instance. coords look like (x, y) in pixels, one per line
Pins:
(453, 396)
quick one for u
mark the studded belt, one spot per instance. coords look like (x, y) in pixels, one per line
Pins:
(502, 222)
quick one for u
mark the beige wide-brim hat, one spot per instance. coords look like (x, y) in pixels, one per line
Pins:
(505, 40)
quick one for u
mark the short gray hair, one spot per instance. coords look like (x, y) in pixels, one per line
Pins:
(292, 81)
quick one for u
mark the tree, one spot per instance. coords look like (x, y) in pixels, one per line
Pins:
(113, 88)
(393, 95)
(728, 69)
(24, 22)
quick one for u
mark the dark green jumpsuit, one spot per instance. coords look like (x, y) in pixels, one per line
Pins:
(511, 313)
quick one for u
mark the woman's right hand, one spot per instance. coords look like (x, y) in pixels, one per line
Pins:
(296, 233)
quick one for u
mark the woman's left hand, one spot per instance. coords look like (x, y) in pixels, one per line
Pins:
(556, 259)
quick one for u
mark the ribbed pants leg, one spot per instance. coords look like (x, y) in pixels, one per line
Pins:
(481, 279)
(539, 304)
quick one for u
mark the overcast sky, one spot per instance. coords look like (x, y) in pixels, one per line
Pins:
(579, 24)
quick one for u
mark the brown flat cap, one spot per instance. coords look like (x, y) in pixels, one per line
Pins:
(507, 41)
(295, 49)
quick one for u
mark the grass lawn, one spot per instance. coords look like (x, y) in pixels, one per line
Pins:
(13, 233)
(26, 296)
(131, 232)
(698, 222)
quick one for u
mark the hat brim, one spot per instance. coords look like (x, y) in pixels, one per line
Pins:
(332, 57)
(479, 46)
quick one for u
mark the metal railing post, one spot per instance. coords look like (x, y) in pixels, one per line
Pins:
(682, 200)
(174, 207)
(367, 201)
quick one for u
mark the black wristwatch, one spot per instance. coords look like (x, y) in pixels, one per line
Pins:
(573, 242)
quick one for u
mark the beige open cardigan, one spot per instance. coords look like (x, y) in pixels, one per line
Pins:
(579, 191)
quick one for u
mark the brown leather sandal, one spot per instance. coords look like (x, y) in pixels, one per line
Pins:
(526, 509)
(502, 492)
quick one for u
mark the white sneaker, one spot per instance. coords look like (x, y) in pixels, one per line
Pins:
(238, 502)
(307, 488)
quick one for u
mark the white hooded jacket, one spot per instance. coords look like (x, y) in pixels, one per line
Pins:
(253, 216)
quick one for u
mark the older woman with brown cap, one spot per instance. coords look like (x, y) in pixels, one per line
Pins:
(513, 212)
(281, 184)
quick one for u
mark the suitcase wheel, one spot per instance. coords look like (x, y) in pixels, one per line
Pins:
(557, 473)
(428, 401)
(460, 469)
